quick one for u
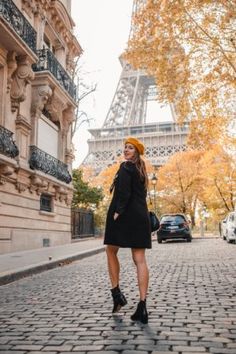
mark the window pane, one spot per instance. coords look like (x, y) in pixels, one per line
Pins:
(46, 202)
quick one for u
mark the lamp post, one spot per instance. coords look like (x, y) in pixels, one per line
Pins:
(154, 183)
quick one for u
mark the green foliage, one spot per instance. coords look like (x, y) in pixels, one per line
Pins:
(84, 195)
(100, 215)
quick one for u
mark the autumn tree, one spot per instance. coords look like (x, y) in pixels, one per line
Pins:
(218, 172)
(105, 178)
(189, 47)
(84, 195)
(179, 184)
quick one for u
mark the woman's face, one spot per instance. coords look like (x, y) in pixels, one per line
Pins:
(129, 152)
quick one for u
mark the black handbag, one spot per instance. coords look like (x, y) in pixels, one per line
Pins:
(154, 221)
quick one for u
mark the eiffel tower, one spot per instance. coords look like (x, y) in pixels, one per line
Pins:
(127, 116)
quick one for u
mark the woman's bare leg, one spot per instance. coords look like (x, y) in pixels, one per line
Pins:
(119, 299)
(113, 264)
(139, 259)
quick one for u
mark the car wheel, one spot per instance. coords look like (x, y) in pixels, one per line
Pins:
(189, 239)
(159, 240)
(227, 238)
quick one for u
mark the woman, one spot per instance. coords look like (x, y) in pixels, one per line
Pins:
(128, 225)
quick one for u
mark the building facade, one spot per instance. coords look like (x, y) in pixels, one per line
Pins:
(37, 105)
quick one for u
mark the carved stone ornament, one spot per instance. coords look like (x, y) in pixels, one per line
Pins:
(69, 199)
(6, 170)
(37, 181)
(67, 118)
(2, 180)
(21, 187)
(38, 184)
(29, 6)
(21, 77)
(61, 193)
(40, 97)
(44, 5)
(55, 107)
(40, 190)
(70, 63)
(12, 66)
(33, 188)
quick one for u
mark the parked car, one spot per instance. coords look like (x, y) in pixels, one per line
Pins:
(222, 228)
(229, 227)
(174, 226)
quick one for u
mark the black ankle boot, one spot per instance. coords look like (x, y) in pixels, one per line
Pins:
(119, 299)
(141, 313)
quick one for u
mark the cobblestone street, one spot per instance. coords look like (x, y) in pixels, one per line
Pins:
(191, 303)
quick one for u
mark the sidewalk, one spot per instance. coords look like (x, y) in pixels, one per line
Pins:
(17, 265)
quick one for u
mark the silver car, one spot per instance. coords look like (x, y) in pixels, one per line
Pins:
(229, 227)
(222, 228)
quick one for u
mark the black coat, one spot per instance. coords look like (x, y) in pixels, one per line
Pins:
(132, 227)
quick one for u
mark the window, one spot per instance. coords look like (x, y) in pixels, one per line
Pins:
(178, 219)
(46, 202)
(48, 136)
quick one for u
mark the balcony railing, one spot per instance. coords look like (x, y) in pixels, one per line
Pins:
(40, 160)
(48, 61)
(10, 12)
(7, 145)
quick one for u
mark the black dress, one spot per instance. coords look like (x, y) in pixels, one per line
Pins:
(132, 227)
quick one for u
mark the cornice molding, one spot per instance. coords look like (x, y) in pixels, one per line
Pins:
(21, 122)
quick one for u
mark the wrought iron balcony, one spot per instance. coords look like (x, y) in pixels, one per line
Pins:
(10, 12)
(7, 145)
(40, 160)
(48, 61)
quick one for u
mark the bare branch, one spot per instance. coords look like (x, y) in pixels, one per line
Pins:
(81, 116)
(93, 89)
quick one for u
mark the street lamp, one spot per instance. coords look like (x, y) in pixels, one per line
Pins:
(154, 183)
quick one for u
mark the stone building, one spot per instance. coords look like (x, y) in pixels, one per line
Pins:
(37, 104)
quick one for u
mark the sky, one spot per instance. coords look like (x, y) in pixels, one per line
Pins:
(102, 29)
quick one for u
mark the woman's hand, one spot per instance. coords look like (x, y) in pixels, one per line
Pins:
(116, 215)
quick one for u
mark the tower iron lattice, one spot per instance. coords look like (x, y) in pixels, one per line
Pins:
(127, 117)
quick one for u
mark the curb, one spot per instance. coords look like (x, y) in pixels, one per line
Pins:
(38, 268)
(204, 237)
